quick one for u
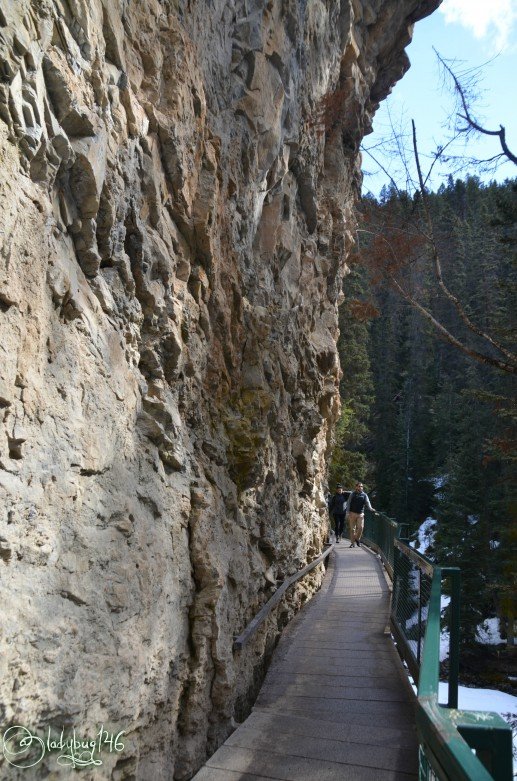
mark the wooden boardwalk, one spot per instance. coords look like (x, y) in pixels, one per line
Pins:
(335, 705)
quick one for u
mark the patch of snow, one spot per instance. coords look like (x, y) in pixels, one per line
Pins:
(494, 544)
(444, 645)
(413, 582)
(425, 535)
(488, 632)
(439, 481)
(413, 620)
(414, 647)
(488, 700)
(444, 634)
(472, 519)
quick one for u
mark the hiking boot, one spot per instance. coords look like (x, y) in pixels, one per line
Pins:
(351, 546)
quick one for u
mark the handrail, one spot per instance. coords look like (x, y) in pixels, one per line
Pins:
(448, 737)
(240, 641)
(380, 532)
(422, 562)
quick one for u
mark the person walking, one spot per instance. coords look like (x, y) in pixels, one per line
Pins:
(355, 505)
(337, 507)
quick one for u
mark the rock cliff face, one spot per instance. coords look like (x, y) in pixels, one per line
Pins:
(177, 182)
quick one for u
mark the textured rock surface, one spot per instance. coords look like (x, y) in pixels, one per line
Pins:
(177, 204)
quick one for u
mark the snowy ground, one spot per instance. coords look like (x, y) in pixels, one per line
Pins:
(487, 700)
(444, 634)
(426, 533)
(488, 632)
(481, 699)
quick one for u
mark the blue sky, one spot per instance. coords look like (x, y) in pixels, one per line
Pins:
(471, 32)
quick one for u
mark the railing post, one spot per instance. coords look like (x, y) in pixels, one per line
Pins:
(455, 745)
(403, 532)
(454, 636)
(397, 559)
(419, 646)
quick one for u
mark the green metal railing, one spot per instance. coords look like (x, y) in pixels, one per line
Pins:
(381, 532)
(410, 611)
(455, 745)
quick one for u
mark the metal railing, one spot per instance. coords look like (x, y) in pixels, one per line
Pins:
(381, 532)
(410, 611)
(455, 745)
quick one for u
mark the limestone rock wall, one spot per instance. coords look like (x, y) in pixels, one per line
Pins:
(177, 199)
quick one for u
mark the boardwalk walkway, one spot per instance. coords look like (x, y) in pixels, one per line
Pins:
(334, 705)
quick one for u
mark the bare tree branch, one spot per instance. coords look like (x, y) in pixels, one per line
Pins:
(438, 156)
(401, 150)
(510, 368)
(507, 360)
(469, 119)
(438, 266)
(383, 169)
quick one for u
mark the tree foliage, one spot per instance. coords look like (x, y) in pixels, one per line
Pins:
(350, 461)
(443, 424)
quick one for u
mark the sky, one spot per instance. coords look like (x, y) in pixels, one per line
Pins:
(470, 33)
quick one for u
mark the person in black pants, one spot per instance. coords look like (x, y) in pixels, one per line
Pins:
(354, 509)
(337, 507)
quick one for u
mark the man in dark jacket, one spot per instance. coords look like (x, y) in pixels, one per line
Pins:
(337, 507)
(355, 505)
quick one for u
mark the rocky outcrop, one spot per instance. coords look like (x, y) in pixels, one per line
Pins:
(177, 181)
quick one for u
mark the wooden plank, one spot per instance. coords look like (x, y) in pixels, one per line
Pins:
(271, 723)
(295, 768)
(334, 705)
(325, 749)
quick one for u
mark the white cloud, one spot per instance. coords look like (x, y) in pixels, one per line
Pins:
(491, 20)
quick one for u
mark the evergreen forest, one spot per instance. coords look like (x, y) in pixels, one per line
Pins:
(430, 427)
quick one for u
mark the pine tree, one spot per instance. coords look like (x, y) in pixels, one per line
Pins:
(444, 425)
(350, 459)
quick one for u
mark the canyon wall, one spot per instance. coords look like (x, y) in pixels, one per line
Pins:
(177, 184)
